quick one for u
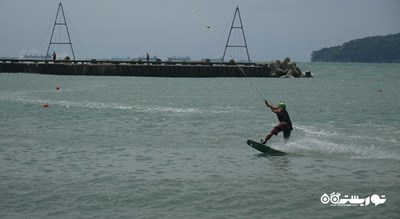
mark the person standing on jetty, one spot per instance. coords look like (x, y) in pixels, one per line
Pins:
(285, 124)
(54, 55)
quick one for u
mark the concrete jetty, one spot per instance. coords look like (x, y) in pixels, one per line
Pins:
(136, 68)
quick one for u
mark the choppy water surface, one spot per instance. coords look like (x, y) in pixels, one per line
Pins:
(132, 147)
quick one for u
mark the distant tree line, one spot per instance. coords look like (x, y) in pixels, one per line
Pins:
(377, 49)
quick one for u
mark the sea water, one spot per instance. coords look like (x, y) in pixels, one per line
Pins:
(138, 147)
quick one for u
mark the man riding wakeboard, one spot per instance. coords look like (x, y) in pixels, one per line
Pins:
(285, 124)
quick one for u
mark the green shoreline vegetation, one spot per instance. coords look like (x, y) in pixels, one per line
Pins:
(376, 49)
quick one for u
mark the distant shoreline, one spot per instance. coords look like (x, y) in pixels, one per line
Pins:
(377, 49)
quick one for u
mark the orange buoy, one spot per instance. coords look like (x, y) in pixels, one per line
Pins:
(46, 105)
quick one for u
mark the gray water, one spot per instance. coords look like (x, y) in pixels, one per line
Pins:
(137, 147)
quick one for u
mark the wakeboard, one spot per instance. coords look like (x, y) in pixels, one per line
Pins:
(264, 148)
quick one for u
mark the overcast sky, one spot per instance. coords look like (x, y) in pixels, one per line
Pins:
(199, 29)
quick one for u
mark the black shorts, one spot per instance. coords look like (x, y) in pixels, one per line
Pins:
(286, 134)
(282, 126)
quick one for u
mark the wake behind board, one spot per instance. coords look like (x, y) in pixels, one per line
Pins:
(264, 148)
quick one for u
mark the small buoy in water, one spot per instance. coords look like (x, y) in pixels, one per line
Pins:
(208, 26)
(58, 88)
(46, 105)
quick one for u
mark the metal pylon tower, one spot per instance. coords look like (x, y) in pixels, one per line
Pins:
(237, 12)
(64, 23)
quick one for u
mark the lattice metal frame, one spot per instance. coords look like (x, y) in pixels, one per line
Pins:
(237, 13)
(60, 8)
